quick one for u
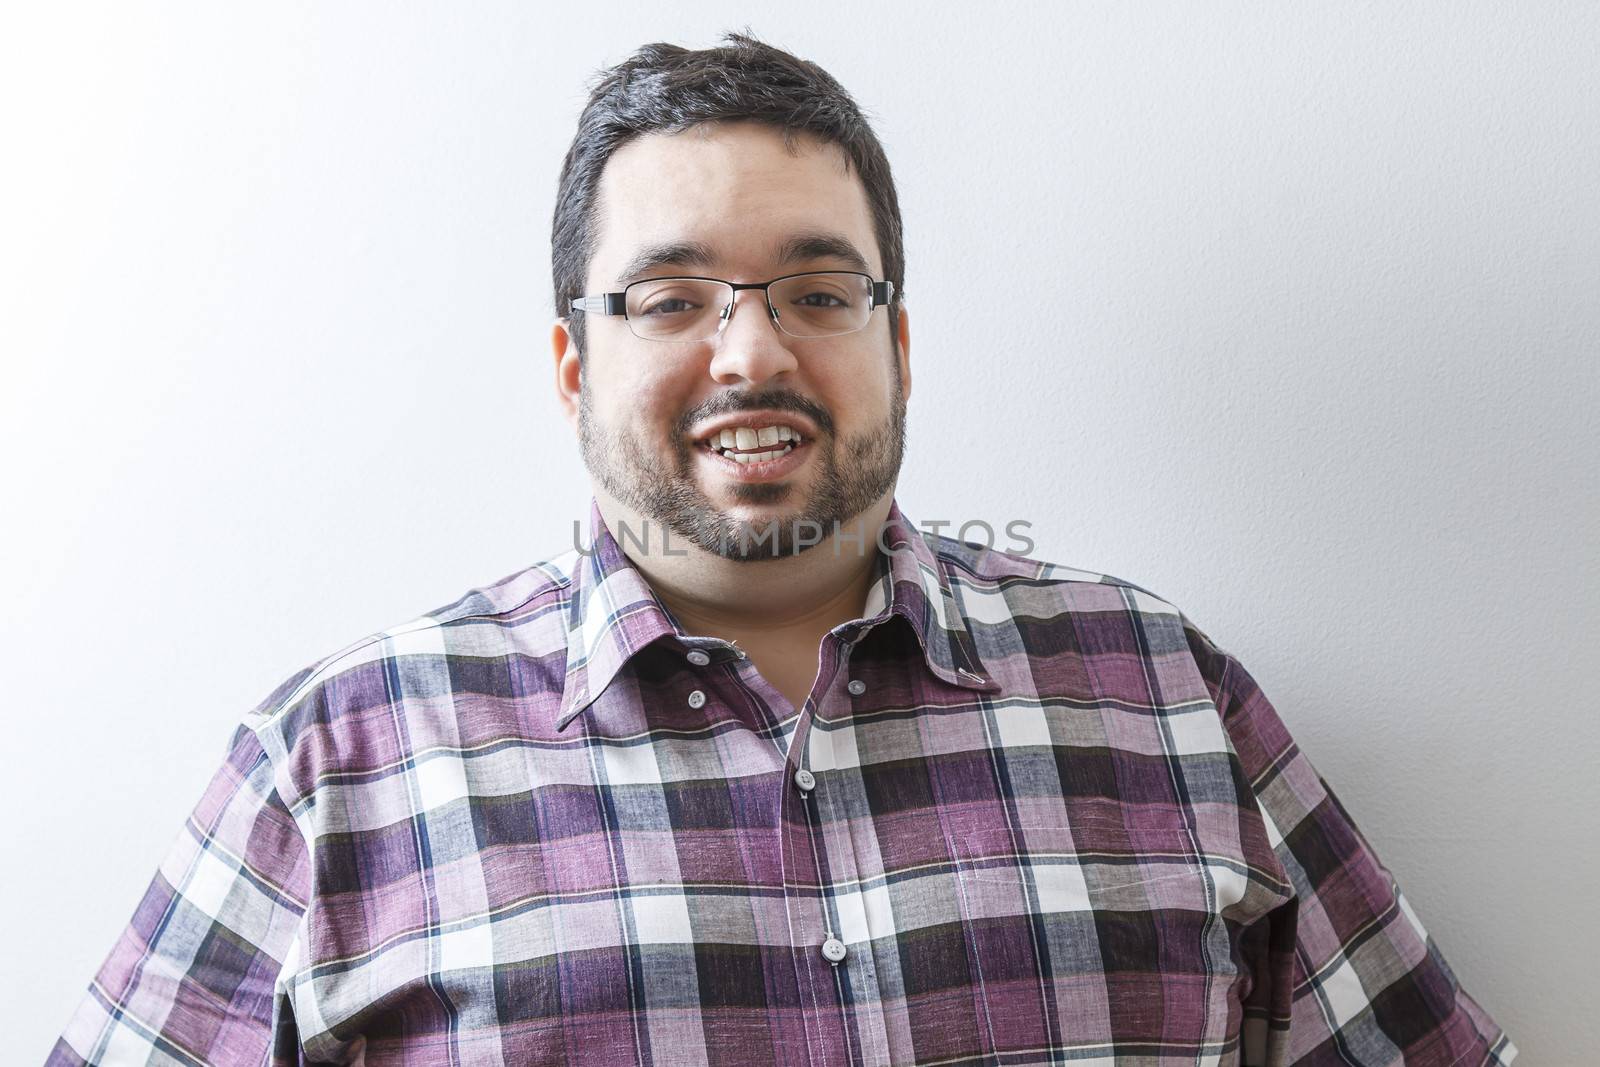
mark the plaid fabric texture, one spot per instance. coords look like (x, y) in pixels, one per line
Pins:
(1029, 814)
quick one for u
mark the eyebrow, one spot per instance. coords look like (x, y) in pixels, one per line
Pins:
(798, 248)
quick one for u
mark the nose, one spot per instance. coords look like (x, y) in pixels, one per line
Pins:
(750, 347)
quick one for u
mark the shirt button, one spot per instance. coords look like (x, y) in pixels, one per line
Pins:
(805, 780)
(833, 950)
(697, 699)
(699, 658)
(857, 686)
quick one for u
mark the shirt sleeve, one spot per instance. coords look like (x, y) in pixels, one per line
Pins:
(193, 978)
(1346, 974)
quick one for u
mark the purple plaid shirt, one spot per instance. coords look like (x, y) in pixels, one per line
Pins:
(1028, 814)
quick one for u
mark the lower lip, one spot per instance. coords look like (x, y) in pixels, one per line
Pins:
(771, 470)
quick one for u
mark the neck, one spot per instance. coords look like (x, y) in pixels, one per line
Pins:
(814, 590)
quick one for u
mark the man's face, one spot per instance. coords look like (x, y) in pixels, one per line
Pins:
(647, 410)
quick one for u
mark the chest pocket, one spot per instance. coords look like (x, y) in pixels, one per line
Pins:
(1083, 935)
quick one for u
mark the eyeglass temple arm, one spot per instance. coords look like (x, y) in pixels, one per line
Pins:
(604, 304)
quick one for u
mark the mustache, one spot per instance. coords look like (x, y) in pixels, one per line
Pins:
(738, 403)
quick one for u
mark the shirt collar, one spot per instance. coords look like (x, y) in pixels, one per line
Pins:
(613, 612)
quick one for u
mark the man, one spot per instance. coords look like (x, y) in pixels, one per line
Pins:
(761, 773)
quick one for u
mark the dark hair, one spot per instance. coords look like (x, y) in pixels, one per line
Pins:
(667, 89)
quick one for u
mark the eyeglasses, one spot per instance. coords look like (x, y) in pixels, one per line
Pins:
(823, 303)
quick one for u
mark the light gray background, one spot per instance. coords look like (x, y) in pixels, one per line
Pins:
(1289, 315)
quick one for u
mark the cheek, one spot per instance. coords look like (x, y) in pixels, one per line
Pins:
(643, 392)
(652, 406)
(861, 404)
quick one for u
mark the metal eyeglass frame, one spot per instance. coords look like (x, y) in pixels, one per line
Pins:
(617, 303)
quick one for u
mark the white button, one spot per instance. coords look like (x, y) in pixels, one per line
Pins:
(805, 780)
(697, 699)
(833, 950)
(699, 658)
(857, 686)
(739, 652)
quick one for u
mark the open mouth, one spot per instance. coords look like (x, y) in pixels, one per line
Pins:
(748, 445)
(757, 453)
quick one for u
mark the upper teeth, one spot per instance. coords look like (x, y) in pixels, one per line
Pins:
(752, 437)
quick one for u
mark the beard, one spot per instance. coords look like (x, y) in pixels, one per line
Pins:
(850, 475)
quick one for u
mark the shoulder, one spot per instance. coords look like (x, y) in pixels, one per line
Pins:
(995, 586)
(513, 625)
(988, 577)
(1010, 600)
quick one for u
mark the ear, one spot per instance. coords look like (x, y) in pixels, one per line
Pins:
(903, 343)
(569, 370)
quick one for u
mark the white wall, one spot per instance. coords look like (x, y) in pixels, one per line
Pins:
(1289, 315)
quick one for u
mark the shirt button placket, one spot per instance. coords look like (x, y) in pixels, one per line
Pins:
(808, 923)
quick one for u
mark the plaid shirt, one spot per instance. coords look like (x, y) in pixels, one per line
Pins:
(1028, 814)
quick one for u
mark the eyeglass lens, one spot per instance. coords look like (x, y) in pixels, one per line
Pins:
(808, 305)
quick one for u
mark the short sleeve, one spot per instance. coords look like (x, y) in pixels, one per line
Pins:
(194, 976)
(1366, 986)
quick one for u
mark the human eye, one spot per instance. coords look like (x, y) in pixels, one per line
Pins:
(669, 300)
(667, 306)
(820, 291)
(818, 300)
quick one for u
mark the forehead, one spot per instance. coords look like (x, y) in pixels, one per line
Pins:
(732, 188)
